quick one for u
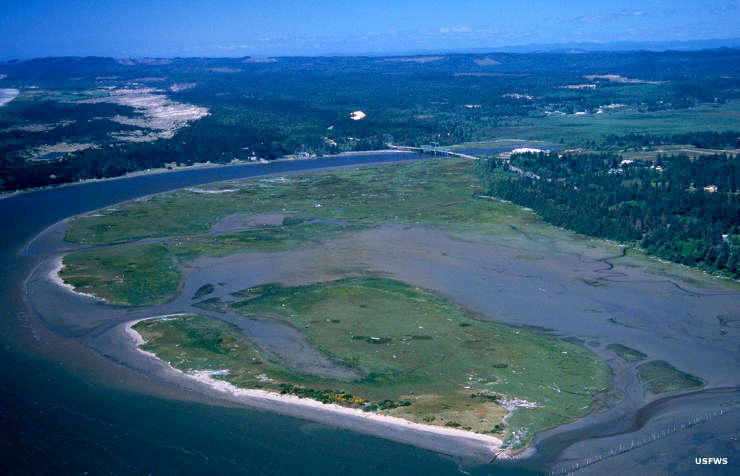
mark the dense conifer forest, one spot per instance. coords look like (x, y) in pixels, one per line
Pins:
(680, 209)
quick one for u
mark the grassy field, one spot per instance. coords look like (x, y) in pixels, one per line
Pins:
(421, 357)
(575, 130)
(661, 377)
(129, 275)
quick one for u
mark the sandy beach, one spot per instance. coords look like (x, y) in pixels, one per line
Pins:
(56, 279)
(493, 444)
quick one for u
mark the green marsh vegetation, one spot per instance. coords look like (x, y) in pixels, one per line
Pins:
(151, 273)
(204, 290)
(661, 377)
(130, 275)
(409, 345)
(436, 193)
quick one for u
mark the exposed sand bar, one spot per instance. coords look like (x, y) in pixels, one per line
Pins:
(436, 438)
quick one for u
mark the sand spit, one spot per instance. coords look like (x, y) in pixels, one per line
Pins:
(56, 279)
(206, 377)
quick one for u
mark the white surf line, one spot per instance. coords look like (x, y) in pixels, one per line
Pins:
(139, 341)
(56, 279)
(206, 377)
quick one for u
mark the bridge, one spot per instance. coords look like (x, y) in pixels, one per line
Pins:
(433, 148)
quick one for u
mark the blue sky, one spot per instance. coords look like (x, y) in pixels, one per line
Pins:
(33, 28)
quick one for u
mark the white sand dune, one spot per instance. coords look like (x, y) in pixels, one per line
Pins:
(157, 112)
(7, 95)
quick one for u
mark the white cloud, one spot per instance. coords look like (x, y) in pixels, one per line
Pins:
(456, 29)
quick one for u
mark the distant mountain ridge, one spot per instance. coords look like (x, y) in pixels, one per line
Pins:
(577, 47)
(573, 47)
(557, 48)
(643, 64)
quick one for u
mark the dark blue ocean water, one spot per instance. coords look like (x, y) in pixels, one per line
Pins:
(57, 416)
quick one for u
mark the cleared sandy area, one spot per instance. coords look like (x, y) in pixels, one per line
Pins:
(486, 61)
(579, 86)
(7, 95)
(61, 148)
(158, 114)
(615, 78)
(177, 87)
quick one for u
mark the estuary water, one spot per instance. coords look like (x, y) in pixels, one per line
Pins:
(65, 409)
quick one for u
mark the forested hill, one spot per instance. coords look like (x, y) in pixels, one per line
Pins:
(83, 118)
(681, 209)
(704, 140)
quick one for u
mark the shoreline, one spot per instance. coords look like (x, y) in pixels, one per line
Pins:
(204, 377)
(56, 279)
(198, 166)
